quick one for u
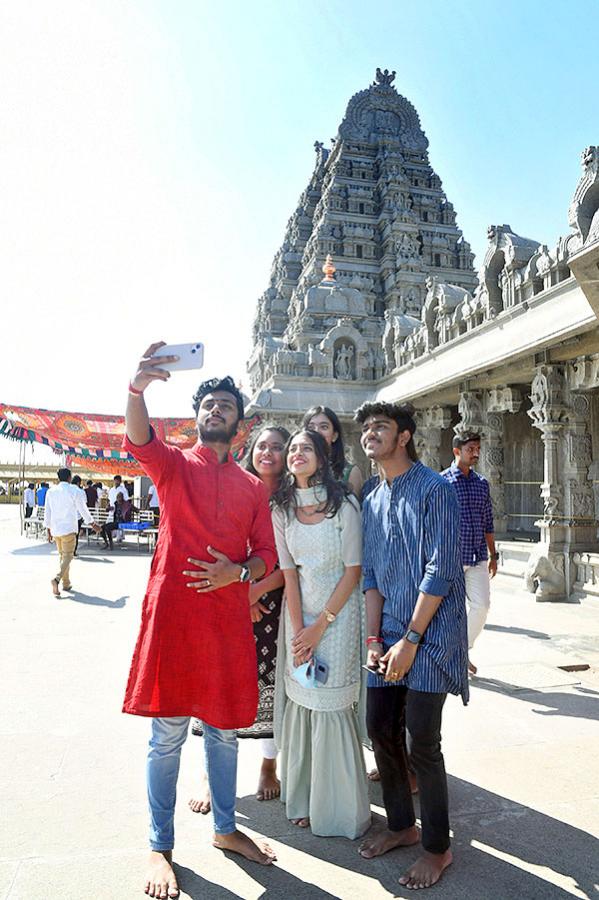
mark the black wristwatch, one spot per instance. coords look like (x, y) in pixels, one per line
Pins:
(245, 573)
(495, 556)
(414, 637)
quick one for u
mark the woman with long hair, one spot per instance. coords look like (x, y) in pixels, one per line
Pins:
(326, 422)
(319, 675)
(264, 459)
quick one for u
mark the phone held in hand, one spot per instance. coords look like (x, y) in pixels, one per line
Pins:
(321, 671)
(375, 669)
(191, 356)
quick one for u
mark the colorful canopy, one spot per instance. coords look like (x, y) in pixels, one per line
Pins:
(97, 438)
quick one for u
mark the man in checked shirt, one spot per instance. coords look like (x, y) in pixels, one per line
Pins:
(477, 537)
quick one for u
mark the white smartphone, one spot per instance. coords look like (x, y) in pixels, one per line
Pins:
(191, 356)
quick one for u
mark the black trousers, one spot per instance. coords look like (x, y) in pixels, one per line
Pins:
(79, 524)
(28, 511)
(107, 530)
(389, 711)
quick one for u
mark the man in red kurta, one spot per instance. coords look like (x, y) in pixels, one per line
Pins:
(195, 654)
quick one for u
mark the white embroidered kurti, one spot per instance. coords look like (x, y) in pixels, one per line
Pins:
(322, 766)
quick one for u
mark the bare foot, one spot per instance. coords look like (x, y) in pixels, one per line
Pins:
(374, 775)
(427, 870)
(303, 823)
(202, 804)
(160, 878)
(55, 589)
(238, 842)
(386, 840)
(472, 668)
(269, 785)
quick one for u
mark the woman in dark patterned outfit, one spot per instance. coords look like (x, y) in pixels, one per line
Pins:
(265, 460)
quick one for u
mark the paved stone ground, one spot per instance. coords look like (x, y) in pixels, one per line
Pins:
(521, 758)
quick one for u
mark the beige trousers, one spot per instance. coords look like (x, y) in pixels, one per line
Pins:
(66, 550)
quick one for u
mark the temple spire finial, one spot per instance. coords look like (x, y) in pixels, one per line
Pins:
(384, 78)
(329, 269)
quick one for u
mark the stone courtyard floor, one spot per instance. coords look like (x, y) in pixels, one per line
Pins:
(522, 758)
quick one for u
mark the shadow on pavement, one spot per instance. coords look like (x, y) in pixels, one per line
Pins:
(581, 705)
(495, 837)
(44, 549)
(199, 888)
(495, 841)
(513, 629)
(277, 882)
(78, 597)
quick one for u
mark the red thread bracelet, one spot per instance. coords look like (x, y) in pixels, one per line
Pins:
(373, 640)
(133, 390)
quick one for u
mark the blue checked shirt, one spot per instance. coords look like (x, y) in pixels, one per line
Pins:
(410, 545)
(476, 512)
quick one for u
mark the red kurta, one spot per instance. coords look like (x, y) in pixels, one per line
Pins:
(195, 654)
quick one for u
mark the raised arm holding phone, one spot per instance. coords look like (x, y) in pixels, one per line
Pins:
(211, 512)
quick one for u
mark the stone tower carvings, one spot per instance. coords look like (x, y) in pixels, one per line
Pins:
(373, 296)
(375, 205)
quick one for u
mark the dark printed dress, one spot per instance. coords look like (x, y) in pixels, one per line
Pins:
(265, 635)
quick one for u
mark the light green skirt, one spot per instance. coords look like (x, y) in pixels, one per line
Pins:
(322, 771)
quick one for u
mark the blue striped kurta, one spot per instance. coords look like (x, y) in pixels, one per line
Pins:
(411, 544)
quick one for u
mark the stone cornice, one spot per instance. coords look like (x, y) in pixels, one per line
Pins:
(558, 313)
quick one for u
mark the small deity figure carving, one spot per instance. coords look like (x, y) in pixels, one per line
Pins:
(343, 362)
(384, 120)
(384, 78)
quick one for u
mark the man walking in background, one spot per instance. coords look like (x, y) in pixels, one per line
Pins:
(29, 500)
(477, 539)
(65, 505)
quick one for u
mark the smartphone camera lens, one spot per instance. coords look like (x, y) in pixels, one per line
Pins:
(194, 350)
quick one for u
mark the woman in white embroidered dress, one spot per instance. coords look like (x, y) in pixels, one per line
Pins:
(318, 533)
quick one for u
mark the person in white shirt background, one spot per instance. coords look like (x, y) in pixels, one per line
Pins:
(29, 499)
(65, 505)
(153, 502)
(117, 488)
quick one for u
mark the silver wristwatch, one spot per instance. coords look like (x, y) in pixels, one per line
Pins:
(245, 574)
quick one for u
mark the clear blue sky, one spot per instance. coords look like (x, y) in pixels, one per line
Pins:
(152, 153)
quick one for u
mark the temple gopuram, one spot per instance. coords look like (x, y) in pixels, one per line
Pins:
(373, 295)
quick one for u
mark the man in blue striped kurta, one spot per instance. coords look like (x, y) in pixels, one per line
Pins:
(417, 641)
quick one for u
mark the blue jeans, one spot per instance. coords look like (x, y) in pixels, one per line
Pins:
(220, 748)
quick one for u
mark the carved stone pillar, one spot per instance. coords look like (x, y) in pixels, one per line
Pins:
(568, 525)
(430, 424)
(497, 402)
(546, 575)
